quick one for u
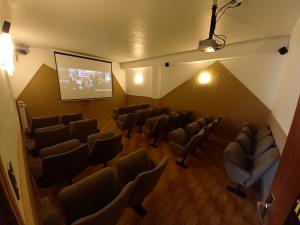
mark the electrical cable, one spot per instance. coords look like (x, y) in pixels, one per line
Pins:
(224, 11)
(224, 6)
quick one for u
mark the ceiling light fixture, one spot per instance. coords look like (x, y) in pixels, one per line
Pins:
(138, 79)
(204, 77)
(215, 41)
(6, 49)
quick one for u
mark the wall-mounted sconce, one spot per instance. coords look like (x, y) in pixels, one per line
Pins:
(6, 49)
(138, 79)
(204, 77)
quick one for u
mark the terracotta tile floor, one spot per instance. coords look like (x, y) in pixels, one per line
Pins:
(193, 196)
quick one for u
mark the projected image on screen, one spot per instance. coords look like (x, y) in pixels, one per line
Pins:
(81, 78)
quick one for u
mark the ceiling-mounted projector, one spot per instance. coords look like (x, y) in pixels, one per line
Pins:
(208, 45)
(216, 41)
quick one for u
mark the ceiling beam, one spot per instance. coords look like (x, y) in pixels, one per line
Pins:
(241, 49)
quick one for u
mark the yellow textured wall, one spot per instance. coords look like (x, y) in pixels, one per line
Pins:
(224, 96)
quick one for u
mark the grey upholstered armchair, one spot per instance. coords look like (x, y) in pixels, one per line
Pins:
(140, 168)
(144, 114)
(39, 122)
(154, 127)
(182, 145)
(66, 119)
(254, 148)
(127, 122)
(103, 147)
(52, 135)
(192, 128)
(81, 129)
(244, 171)
(97, 199)
(61, 162)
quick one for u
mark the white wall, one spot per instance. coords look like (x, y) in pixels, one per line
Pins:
(261, 74)
(119, 75)
(9, 132)
(143, 89)
(286, 101)
(27, 65)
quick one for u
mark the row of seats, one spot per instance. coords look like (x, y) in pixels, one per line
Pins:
(74, 157)
(46, 121)
(51, 135)
(138, 118)
(154, 127)
(128, 109)
(102, 197)
(251, 157)
(184, 141)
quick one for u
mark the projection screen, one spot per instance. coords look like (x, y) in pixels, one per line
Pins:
(82, 77)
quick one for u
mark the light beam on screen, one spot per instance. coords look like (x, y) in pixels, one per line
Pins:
(138, 78)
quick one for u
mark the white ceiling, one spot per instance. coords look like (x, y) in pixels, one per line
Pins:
(125, 30)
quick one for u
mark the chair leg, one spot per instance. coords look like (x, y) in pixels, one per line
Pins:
(238, 190)
(154, 143)
(140, 210)
(128, 133)
(181, 163)
(141, 129)
(194, 154)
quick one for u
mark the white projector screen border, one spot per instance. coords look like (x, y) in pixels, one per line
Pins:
(83, 57)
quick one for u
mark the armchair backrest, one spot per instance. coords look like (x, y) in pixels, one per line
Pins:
(144, 114)
(112, 212)
(146, 181)
(81, 129)
(159, 126)
(244, 141)
(67, 118)
(263, 145)
(95, 199)
(188, 117)
(178, 136)
(131, 120)
(131, 165)
(171, 124)
(47, 137)
(39, 122)
(180, 122)
(101, 135)
(64, 166)
(261, 133)
(164, 110)
(201, 122)
(235, 154)
(105, 149)
(248, 131)
(155, 112)
(192, 128)
(194, 142)
(263, 163)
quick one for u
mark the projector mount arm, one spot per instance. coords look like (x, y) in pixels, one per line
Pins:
(216, 16)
